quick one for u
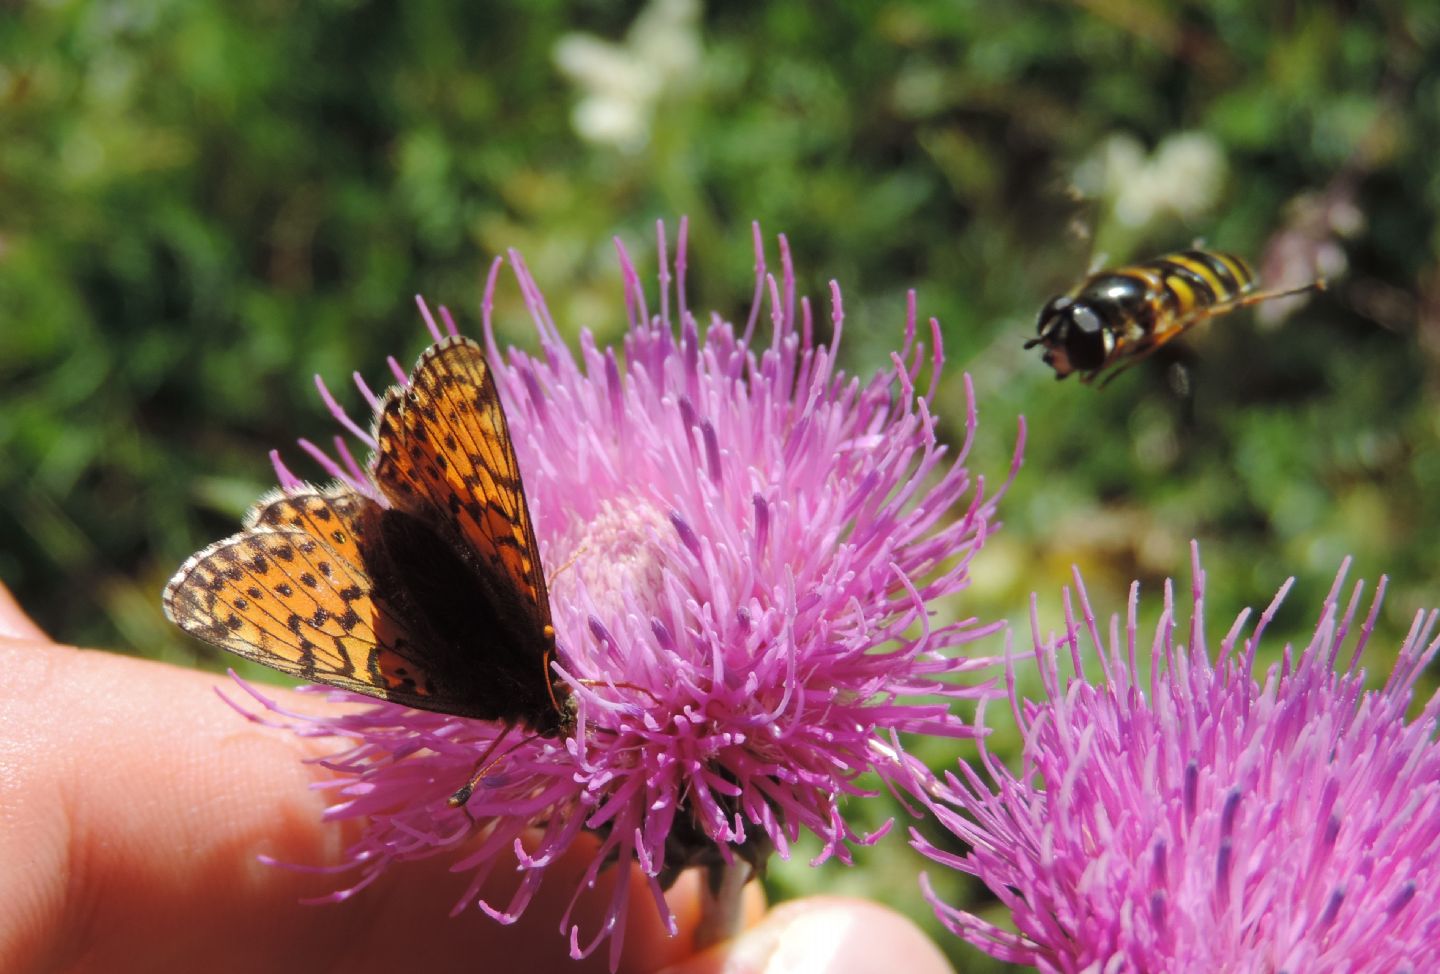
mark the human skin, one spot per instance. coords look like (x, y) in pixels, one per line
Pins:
(134, 804)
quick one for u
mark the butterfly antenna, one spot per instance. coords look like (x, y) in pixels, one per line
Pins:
(619, 685)
(574, 557)
(549, 683)
(550, 632)
(482, 768)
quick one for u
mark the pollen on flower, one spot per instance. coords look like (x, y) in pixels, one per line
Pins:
(609, 554)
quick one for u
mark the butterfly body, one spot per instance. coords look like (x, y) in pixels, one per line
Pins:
(453, 608)
(434, 598)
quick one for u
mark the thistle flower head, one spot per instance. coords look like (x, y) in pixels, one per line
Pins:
(745, 548)
(1210, 818)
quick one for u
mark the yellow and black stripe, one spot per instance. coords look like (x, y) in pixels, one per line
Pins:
(1115, 318)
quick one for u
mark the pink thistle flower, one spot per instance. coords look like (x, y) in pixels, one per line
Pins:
(745, 549)
(1199, 820)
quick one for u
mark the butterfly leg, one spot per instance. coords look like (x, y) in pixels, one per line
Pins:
(482, 768)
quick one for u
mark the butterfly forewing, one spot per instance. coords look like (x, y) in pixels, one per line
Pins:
(445, 455)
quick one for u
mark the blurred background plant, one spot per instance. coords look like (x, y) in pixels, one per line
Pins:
(206, 203)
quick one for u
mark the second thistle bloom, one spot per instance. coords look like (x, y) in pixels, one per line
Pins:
(746, 549)
(1209, 818)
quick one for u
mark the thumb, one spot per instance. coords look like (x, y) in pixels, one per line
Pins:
(823, 935)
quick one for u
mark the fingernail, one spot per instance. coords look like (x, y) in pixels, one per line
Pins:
(816, 943)
(832, 936)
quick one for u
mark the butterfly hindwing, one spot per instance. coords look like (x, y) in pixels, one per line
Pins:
(293, 593)
(338, 519)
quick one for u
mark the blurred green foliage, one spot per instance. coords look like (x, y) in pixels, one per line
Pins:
(204, 204)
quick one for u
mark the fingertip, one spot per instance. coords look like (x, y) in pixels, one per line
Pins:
(14, 623)
(823, 935)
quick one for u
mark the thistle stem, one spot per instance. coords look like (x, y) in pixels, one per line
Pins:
(720, 903)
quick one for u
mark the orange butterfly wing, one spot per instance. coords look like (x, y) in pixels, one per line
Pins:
(446, 456)
(438, 602)
(292, 592)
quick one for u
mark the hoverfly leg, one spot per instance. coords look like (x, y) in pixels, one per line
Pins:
(1320, 284)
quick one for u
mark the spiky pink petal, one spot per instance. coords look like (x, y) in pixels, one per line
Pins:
(1209, 818)
(745, 549)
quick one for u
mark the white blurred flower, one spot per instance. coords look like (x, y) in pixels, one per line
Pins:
(621, 84)
(1310, 245)
(1181, 178)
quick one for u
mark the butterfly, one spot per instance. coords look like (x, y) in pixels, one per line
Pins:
(437, 601)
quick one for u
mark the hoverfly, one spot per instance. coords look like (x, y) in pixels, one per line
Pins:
(1114, 318)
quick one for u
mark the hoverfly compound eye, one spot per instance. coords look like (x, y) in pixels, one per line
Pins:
(1087, 340)
(1085, 320)
(1048, 314)
(1050, 326)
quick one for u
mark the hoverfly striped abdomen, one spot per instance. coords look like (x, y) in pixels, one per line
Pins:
(1114, 318)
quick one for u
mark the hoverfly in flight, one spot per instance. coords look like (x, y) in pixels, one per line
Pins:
(1114, 318)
